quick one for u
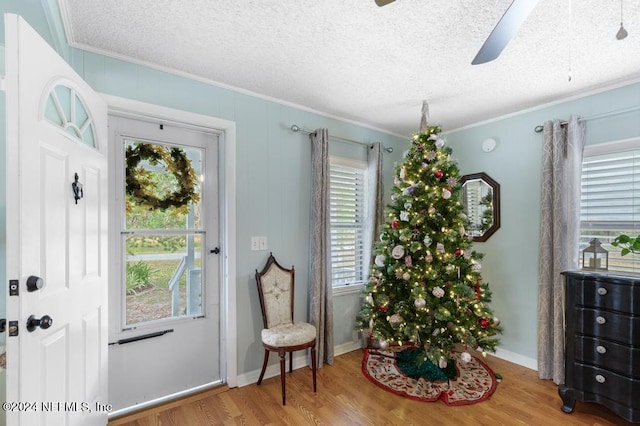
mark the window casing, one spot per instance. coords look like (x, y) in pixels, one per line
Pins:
(348, 218)
(610, 199)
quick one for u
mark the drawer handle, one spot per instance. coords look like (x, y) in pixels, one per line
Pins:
(600, 378)
(602, 291)
(601, 320)
(601, 349)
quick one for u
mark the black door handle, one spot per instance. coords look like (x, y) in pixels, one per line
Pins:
(34, 283)
(215, 250)
(45, 322)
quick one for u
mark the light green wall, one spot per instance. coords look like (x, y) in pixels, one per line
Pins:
(273, 174)
(511, 254)
(273, 180)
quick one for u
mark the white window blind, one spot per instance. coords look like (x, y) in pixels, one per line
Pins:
(610, 203)
(347, 197)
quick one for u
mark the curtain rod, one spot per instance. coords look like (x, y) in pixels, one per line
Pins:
(538, 129)
(295, 129)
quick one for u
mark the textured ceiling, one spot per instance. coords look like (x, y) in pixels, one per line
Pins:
(354, 60)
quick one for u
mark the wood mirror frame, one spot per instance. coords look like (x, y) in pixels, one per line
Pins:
(485, 205)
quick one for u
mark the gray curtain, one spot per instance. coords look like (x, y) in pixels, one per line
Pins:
(559, 238)
(320, 291)
(375, 208)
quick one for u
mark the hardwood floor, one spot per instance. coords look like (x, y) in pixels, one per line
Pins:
(346, 397)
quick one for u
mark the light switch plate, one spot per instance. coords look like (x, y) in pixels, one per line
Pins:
(255, 243)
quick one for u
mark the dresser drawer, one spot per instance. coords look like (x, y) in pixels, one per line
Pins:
(607, 384)
(612, 356)
(609, 325)
(608, 295)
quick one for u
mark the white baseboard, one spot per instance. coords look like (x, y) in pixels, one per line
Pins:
(299, 361)
(519, 359)
(347, 347)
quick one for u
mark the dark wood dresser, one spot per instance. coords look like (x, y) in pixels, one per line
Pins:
(602, 358)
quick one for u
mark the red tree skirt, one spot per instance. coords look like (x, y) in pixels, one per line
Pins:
(474, 382)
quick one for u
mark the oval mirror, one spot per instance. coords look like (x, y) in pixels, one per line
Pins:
(481, 198)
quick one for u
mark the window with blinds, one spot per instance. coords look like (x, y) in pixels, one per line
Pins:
(347, 198)
(610, 202)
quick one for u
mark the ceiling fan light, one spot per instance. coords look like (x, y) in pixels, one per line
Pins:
(622, 33)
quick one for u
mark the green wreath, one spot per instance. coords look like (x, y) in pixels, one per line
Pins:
(139, 183)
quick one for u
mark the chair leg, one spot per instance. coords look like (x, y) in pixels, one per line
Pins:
(264, 365)
(290, 362)
(282, 370)
(313, 365)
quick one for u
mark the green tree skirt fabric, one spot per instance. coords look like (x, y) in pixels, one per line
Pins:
(413, 364)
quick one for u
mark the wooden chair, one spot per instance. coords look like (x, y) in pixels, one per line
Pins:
(281, 334)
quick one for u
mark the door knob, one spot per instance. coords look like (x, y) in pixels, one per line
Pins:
(34, 283)
(45, 322)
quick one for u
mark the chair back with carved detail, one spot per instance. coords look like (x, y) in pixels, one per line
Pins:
(276, 291)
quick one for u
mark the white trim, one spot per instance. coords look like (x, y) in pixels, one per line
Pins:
(227, 159)
(524, 361)
(550, 104)
(50, 7)
(347, 347)
(621, 145)
(341, 290)
(3, 84)
(194, 77)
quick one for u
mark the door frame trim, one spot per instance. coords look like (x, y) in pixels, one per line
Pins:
(227, 162)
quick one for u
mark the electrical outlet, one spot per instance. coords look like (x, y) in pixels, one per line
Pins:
(255, 243)
(262, 242)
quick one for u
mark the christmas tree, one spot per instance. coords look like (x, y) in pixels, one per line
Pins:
(425, 292)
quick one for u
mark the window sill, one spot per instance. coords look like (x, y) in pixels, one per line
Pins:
(347, 289)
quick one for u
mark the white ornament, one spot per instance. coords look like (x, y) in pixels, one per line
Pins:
(440, 143)
(442, 363)
(428, 257)
(383, 344)
(404, 216)
(380, 260)
(407, 205)
(420, 303)
(427, 240)
(476, 267)
(395, 319)
(446, 194)
(440, 248)
(397, 252)
(403, 173)
(465, 357)
(406, 276)
(431, 210)
(369, 299)
(438, 292)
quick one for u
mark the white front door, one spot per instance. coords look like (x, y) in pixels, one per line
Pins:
(56, 238)
(164, 322)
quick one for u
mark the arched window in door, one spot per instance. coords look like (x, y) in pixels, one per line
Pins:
(65, 109)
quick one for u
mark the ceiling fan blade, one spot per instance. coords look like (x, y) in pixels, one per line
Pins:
(384, 2)
(506, 28)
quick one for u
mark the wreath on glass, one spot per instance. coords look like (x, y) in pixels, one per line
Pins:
(140, 185)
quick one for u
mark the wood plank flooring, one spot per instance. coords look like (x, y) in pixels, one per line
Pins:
(346, 397)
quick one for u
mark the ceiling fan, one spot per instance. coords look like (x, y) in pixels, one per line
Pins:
(504, 30)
